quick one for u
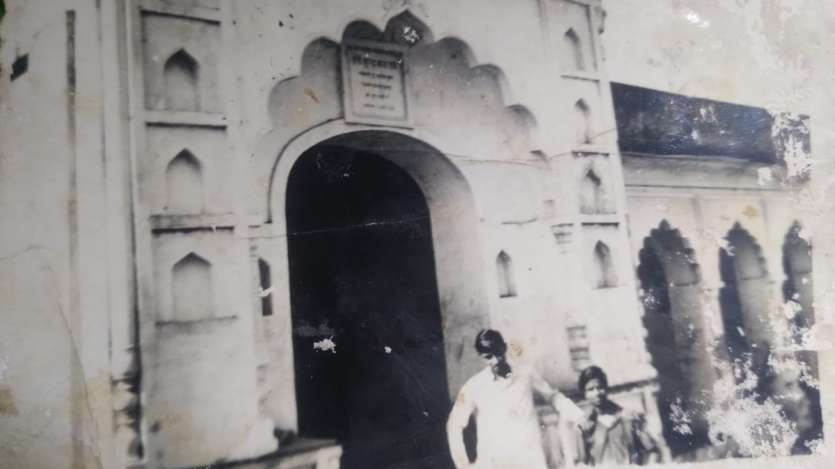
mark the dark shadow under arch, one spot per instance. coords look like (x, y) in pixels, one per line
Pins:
(606, 275)
(798, 289)
(506, 278)
(744, 301)
(797, 265)
(574, 51)
(181, 75)
(583, 116)
(676, 336)
(362, 263)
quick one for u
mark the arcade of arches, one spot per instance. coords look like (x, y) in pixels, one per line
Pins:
(690, 357)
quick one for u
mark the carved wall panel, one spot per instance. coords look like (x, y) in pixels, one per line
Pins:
(180, 63)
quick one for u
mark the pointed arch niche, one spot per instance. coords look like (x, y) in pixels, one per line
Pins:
(593, 183)
(605, 275)
(191, 289)
(592, 198)
(583, 124)
(573, 47)
(184, 184)
(266, 287)
(505, 274)
(676, 339)
(180, 82)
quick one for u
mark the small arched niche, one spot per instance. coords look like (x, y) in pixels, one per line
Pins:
(506, 280)
(184, 184)
(574, 51)
(266, 287)
(605, 275)
(180, 81)
(583, 124)
(592, 199)
(191, 288)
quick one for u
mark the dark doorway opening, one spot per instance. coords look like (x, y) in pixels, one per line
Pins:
(362, 274)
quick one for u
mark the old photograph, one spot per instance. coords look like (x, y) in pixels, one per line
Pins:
(416, 234)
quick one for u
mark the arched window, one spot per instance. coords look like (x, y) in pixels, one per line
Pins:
(266, 287)
(605, 275)
(184, 184)
(574, 50)
(504, 269)
(583, 117)
(591, 193)
(192, 288)
(180, 75)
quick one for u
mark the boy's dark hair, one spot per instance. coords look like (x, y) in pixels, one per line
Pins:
(590, 373)
(490, 341)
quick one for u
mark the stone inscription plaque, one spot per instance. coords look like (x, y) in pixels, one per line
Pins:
(374, 84)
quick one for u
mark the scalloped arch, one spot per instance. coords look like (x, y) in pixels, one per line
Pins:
(672, 248)
(369, 29)
(743, 247)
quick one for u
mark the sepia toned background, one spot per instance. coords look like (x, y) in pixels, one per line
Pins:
(98, 351)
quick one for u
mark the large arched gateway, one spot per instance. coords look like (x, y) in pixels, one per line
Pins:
(384, 283)
(362, 267)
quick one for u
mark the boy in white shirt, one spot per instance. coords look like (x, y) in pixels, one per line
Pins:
(502, 400)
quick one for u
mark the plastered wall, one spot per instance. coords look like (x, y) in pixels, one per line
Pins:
(84, 242)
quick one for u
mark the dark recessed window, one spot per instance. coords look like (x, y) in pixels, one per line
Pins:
(20, 66)
(266, 288)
